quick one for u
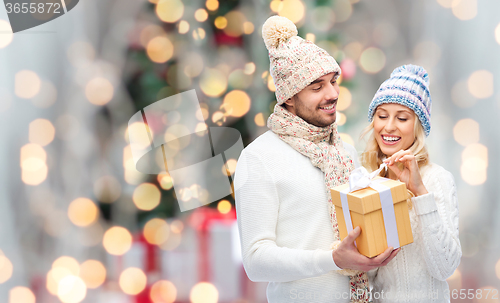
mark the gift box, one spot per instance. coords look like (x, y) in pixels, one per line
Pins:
(380, 209)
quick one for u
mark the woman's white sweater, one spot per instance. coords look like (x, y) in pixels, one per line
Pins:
(418, 273)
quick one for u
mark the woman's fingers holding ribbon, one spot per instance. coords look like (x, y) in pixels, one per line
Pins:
(410, 173)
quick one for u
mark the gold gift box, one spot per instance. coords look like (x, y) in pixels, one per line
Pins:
(366, 212)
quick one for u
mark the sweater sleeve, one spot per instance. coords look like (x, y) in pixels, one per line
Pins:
(438, 215)
(257, 207)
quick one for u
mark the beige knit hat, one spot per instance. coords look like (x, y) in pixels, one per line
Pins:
(294, 62)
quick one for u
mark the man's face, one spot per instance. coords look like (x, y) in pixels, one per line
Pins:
(316, 103)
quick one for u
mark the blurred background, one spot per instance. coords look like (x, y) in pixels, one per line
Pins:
(79, 223)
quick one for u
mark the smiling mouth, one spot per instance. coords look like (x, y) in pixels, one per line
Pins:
(390, 140)
(330, 108)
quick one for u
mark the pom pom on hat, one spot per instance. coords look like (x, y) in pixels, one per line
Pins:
(277, 30)
(412, 69)
(294, 62)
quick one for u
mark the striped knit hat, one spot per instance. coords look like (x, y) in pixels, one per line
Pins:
(408, 86)
(295, 62)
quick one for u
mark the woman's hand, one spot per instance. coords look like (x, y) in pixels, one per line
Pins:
(410, 173)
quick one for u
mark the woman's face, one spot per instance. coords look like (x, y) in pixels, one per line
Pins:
(393, 127)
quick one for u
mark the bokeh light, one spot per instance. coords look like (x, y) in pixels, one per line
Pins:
(466, 131)
(224, 206)
(259, 120)
(47, 95)
(82, 212)
(71, 289)
(54, 276)
(270, 83)
(199, 34)
(99, 91)
(107, 189)
(7, 34)
(34, 169)
(347, 138)
(21, 294)
(140, 142)
(149, 32)
(229, 168)
(236, 103)
(41, 132)
(497, 269)
(93, 273)
(176, 226)
(146, 196)
(132, 281)
(183, 27)
(372, 60)
(201, 15)
(345, 98)
(353, 50)
(170, 10)
(235, 21)
(480, 84)
(27, 84)
(220, 22)
(193, 64)
(497, 33)
(68, 263)
(311, 37)
(446, 3)
(474, 164)
(160, 49)
(156, 231)
(343, 10)
(341, 118)
(461, 96)
(117, 240)
(204, 292)
(163, 291)
(248, 27)
(464, 9)
(212, 5)
(213, 82)
(427, 53)
(6, 268)
(293, 10)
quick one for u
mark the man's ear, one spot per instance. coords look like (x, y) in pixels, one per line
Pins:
(289, 103)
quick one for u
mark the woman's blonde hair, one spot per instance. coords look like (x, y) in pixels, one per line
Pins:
(372, 157)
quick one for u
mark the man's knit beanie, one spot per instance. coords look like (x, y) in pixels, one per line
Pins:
(408, 86)
(294, 62)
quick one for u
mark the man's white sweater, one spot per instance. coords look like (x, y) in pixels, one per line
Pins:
(284, 224)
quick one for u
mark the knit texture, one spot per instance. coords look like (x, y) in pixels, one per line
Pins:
(294, 62)
(408, 86)
(323, 147)
(284, 226)
(419, 272)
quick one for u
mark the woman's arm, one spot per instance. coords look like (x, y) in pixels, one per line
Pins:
(437, 212)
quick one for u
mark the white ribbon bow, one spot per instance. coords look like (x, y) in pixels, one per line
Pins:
(359, 179)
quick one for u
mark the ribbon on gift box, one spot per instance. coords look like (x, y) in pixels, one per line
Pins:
(359, 179)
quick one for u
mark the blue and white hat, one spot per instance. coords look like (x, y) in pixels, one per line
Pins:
(408, 86)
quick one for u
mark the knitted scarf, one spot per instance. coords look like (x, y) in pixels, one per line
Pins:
(322, 145)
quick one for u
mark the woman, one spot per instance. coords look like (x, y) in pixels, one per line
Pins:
(400, 120)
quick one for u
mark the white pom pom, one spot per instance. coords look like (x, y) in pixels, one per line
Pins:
(276, 30)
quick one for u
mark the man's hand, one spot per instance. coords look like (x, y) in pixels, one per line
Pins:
(347, 255)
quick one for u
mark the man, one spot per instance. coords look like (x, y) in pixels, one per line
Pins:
(286, 222)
